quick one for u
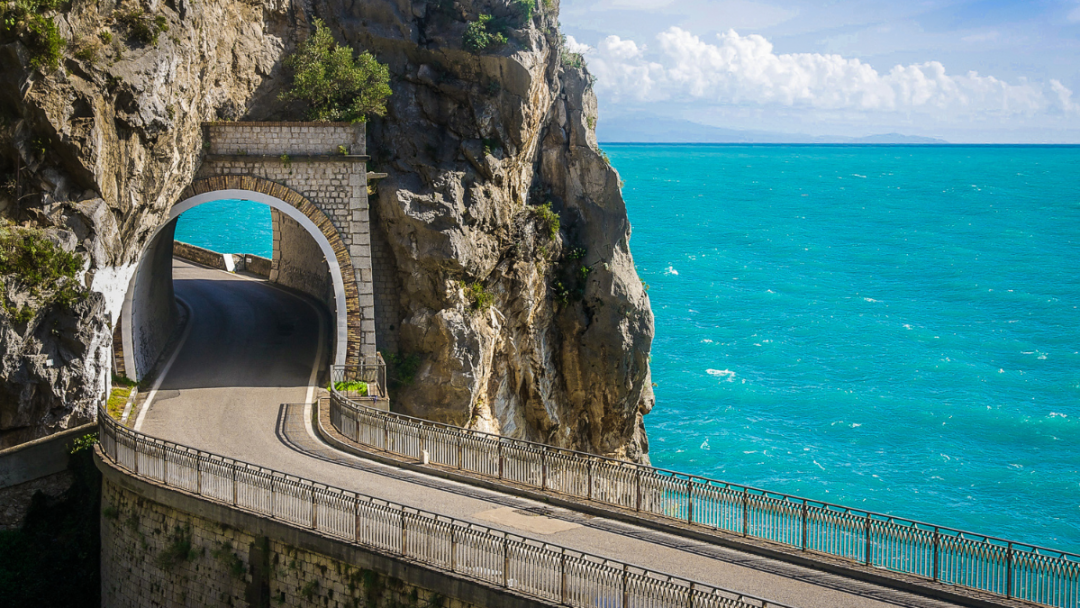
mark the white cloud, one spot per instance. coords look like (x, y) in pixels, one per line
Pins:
(574, 46)
(1074, 15)
(1064, 96)
(745, 70)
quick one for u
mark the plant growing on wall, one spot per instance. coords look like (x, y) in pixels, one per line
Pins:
(482, 34)
(25, 20)
(336, 85)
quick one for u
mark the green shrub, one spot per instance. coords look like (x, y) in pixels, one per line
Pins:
(548, 219)
(86, 442)
(571, 59)
(335, 85)
(401, 369)
(352, 386)
(478, 296)
(178, 550)
(482, 34)
(525, 8)
(45, 43)
(26, 20)
(37, 264)
(141, 27)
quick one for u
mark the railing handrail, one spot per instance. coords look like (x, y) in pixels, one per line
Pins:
(108, 425)
(798, 500)
(1004, 568)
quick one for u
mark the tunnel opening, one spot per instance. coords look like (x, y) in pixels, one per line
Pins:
(256, 234)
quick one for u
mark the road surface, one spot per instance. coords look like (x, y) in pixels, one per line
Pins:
(238, 387)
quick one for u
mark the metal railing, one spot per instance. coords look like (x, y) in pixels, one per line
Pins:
(371, 370)
(531, 568)
(1005, 568)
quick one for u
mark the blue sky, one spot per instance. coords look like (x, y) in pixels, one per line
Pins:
(979, 71)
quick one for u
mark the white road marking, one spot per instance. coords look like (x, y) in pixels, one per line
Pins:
(308, 400)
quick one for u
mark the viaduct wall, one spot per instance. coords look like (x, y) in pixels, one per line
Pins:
(161, 547)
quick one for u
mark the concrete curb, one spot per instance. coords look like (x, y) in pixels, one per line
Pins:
(870, 575)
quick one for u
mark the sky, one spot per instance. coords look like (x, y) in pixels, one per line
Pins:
(982, 71)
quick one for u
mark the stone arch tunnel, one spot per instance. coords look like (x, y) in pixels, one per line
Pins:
(314, 179)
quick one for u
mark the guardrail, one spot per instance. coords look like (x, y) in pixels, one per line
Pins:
(371, 371)
(535, 569)
(1005, 568)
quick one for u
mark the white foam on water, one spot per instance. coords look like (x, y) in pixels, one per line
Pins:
(671, 270)
(727, 374)
(705, 444)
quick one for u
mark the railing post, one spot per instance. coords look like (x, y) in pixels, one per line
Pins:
(690, 595)
(589, 477)
(869, 554)
(637, 487)
(1009, 572)
(136, 450)
(506, 562)
(460, 451)
(234, 490)
(453, 548)
(500, 459)
(543, 469)
(198, 475)
(403, 537)
(625, 586)
(314, 511)
(356, 507)
(745, 511)
(689, 501)
(386, 434)
(804, 522)
(562, 578)
(937, 551)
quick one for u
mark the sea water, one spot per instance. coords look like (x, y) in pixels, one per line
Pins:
(889, 328)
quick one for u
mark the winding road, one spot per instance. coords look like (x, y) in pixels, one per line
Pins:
(241, 386)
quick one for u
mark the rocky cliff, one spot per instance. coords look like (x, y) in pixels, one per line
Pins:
(519, 300)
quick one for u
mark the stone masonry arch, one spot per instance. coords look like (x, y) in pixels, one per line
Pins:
(314, 175)
(347, 313)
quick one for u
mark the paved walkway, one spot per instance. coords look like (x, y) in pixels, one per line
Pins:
(253, 346)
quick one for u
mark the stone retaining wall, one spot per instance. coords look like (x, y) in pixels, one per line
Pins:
(246, 262)
(276, 138)
(39, 465)
(165, 548)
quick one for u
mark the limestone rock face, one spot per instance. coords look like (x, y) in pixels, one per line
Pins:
(518, 294)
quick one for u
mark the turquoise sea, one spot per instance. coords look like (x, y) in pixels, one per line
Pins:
(893, 328)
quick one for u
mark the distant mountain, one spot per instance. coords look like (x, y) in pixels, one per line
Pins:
(644, 128)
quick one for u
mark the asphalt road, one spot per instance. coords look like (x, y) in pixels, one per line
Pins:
(251, 349)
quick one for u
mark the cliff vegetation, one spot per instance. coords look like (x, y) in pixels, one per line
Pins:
(519, 312)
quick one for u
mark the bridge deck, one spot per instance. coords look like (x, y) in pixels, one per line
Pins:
(252, 347)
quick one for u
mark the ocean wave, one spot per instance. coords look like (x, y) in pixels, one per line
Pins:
(671, 270)
(727, 374)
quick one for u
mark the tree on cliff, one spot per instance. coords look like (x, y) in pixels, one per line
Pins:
(335, 85)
